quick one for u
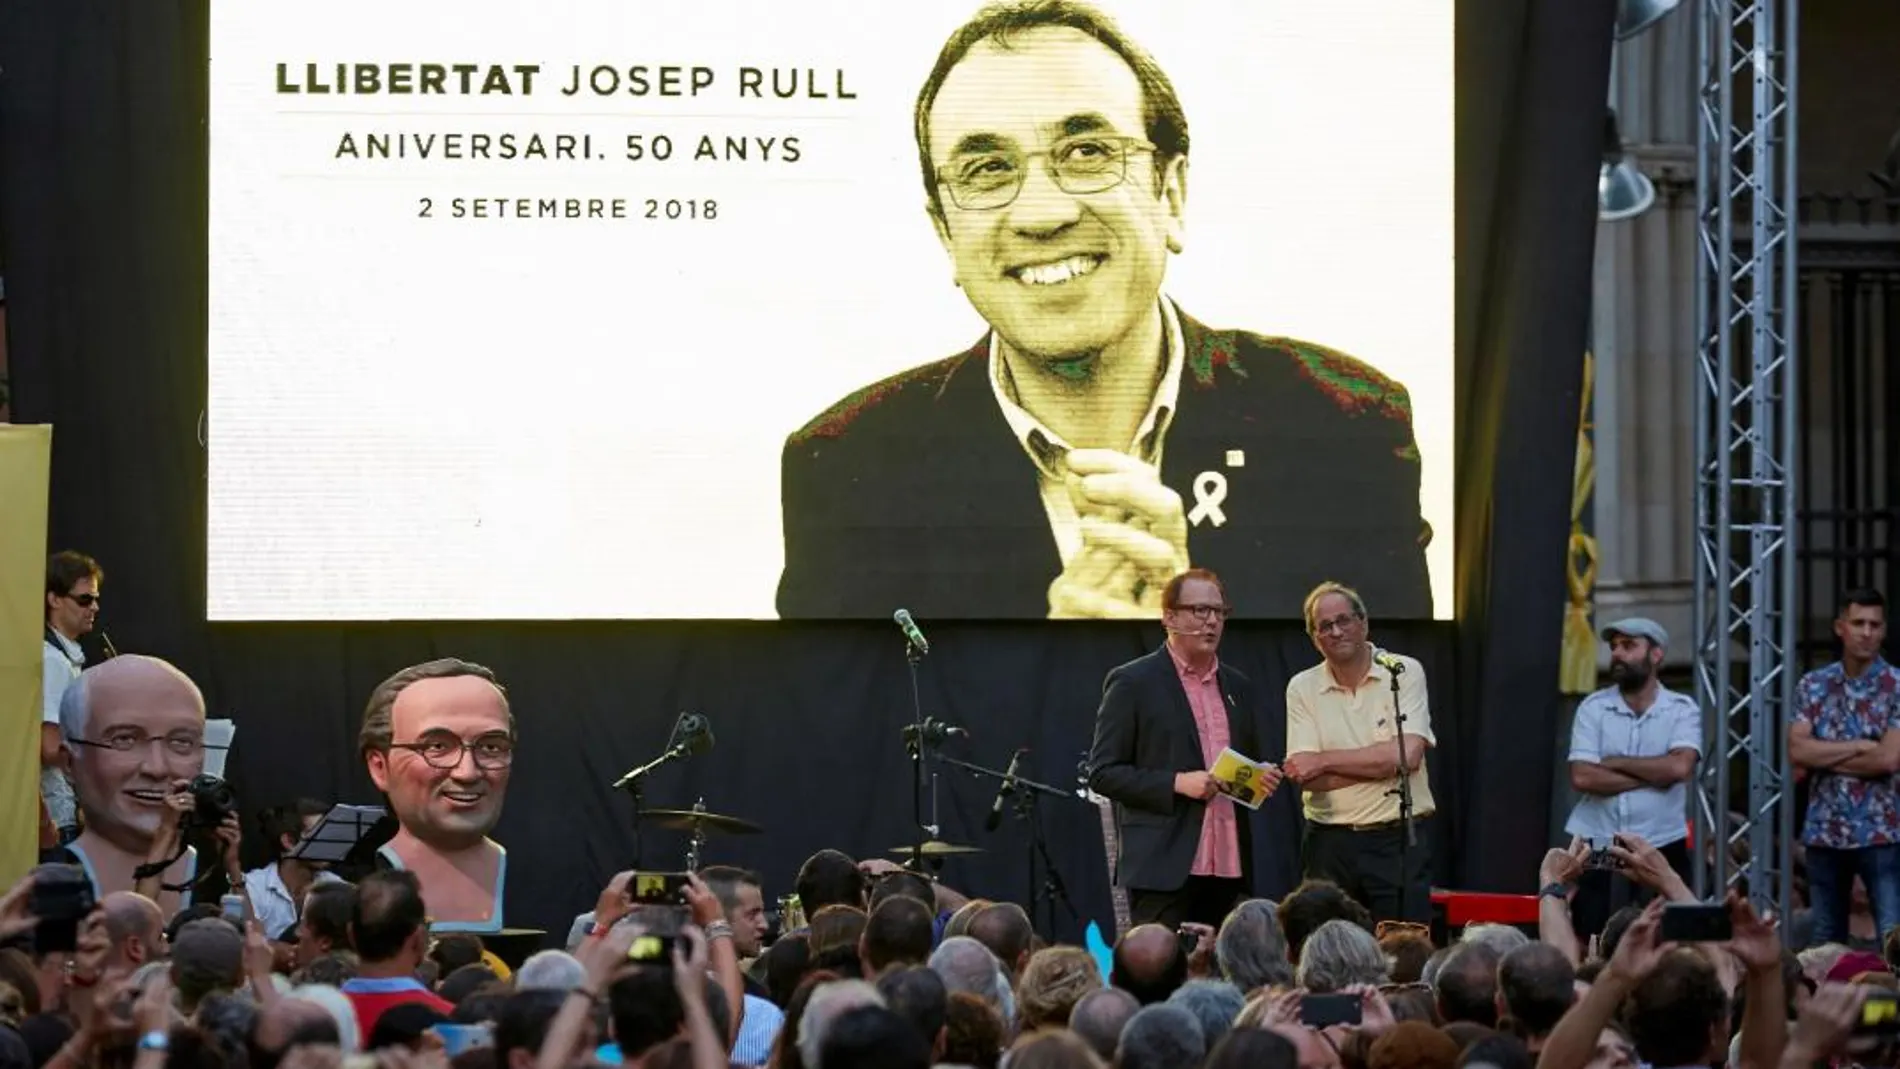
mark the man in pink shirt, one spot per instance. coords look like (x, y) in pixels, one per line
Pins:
(1164, 719)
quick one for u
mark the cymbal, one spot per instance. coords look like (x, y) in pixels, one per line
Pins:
(934, 848)
(698, 819)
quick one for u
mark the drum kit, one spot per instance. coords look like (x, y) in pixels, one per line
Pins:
(692, 735)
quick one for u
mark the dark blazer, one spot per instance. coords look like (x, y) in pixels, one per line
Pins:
(1144, 734)
(913, 492)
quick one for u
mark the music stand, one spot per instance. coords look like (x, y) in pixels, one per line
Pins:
(336, 836)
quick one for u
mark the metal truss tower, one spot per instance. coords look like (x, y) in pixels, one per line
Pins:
(1746, 442)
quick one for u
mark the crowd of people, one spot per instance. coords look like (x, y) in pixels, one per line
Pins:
(894, 970)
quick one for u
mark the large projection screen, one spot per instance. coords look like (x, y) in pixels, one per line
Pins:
(598, 309)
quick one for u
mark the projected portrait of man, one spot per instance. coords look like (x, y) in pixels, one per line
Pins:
(135, 727)
(438, 740)
(1098, 439)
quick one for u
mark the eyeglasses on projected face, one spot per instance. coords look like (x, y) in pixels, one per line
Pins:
(984, 181)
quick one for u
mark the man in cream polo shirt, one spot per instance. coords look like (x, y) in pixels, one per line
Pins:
(1343, 752)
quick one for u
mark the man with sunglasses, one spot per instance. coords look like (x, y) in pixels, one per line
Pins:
(1343, 749)
(1186, 848)
(72, 608)
(1097, 439)
(438, 740)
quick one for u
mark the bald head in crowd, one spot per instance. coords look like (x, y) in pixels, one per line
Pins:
(1005, 929)
(136, 928)
(1467, 985)
(135, 728)
(1149, 963)
(289, 1022)
(1100, 1017)
(1536, 985)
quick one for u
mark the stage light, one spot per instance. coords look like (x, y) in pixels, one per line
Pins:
(1623, 191)
(1635, 16)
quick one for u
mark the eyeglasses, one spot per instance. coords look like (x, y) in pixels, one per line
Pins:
(492, 752)
(1090, 163)
(1337, 625)
(1206, 612)
(85, 601)
(126, 740)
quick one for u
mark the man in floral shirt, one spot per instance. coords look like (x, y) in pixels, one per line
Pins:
(1846, 733)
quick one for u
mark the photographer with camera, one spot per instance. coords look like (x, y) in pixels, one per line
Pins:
(135, 727)
(200, 803)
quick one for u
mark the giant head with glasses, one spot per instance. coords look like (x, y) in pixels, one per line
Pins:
(438, 739)
(1054, 154)
(135, 727)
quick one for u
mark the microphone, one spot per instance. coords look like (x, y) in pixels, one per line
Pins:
(1002, 793)
(105, 644)
(934, 731)
(693, 734)
(909, 627)
(1388, 661)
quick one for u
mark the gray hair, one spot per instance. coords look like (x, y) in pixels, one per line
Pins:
(1251, 948)
(828, 1003)
(967, 965)
(75, 702)
(1339, 954)
(550, 970)
(1214, 1004)
(1100, 1017)
(1327, 589)
(1499, 937)
(338, 1006)
(1161, 1037)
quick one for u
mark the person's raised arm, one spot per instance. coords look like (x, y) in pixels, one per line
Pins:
(601, 954)
(1756, 947)
(711, 918)
(1646, 866)
(1825, 1029)
(168, 840)
(708, 1051)
(1561, 868)
(1573, 1043)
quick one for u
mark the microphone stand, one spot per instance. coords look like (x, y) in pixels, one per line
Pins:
(631, 784)
(1028, 793)
(1406, 833)
(920, 832)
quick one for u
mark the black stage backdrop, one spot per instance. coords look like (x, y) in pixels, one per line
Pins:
(102, 194)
